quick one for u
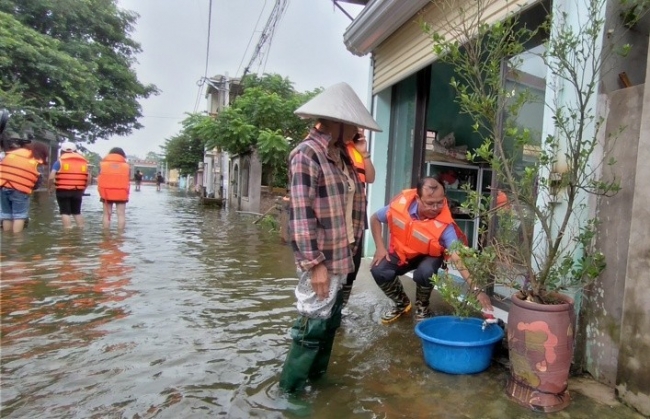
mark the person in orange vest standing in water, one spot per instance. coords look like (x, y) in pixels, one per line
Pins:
(18, 178)
(114, 185)
(422, 231)
(70, 177)
(357, 149)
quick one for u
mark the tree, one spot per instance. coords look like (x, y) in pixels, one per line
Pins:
(261, 118)
(153, 156)
(555, 248)
(183, 152)
(66, 65)
(94, 160)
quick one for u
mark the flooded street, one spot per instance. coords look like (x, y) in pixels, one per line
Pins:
(186, 315)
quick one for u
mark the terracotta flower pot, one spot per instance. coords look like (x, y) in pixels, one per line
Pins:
(540, 342)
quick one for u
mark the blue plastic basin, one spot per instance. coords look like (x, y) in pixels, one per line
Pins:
(458, 345)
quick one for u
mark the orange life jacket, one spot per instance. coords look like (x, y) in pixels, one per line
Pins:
(113, 181)
(410, 238)
(502, 200)
(18, 171)
(357, 160)
(73, 173)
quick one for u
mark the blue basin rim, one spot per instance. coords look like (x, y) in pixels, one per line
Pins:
(493, 332)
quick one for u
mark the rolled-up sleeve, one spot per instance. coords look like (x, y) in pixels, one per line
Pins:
(304, 172)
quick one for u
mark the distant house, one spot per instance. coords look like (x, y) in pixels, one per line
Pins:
(213, 175)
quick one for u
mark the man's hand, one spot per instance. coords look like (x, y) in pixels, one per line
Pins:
(379, 255)
(320, 281)
(484, 299)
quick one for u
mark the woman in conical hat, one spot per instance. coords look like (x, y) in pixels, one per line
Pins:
(327, 216)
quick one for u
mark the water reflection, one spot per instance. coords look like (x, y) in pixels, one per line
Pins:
(186, 315)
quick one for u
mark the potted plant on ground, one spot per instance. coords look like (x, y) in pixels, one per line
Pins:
(542, 237)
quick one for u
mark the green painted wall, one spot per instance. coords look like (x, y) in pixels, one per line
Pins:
(379, 152)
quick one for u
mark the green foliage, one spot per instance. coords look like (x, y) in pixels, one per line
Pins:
(481, 266)
(153, 156)
(535, 238)
(66, 65)
(183, 152)
(633, 10)
(270, 223)
(94, 159)
(261, 118)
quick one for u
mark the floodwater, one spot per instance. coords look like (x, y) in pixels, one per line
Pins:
(186, 315)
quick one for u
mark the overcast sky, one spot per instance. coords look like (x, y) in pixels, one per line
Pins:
(307, 48)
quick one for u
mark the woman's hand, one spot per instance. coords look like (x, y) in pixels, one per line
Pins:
(320, 281)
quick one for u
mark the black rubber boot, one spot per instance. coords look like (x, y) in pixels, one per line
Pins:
(422, 297)
(395, 291)
(346, 290)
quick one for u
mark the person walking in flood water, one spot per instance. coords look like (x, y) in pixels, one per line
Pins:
(19, 177)
(138, 179)
(114, 186)
(70, 178)
(327, 213)
(159, 180)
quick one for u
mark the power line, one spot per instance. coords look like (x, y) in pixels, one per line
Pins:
(251, 38)
(201, 82)
(266, 37)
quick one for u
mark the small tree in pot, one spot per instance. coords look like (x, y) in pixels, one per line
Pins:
(542, 237)
(463, 299)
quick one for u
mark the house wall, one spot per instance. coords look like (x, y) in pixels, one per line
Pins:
(252, 202)
(603, 302)
(379, 154)
(409, 49)
(238, 199)
(632, 383)
(634, 63)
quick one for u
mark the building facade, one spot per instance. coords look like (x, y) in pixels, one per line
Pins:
(413, 102)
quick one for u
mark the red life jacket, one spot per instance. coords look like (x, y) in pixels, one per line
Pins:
(114, 182)
(410, 238)
(73, 174)
(18, 171)
(357, 160)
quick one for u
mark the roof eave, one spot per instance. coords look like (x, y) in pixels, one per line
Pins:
(377, 21)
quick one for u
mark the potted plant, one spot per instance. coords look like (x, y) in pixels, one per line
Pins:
(464, 342)
(542, 237)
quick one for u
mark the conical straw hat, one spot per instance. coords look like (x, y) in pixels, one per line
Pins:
(339, 103)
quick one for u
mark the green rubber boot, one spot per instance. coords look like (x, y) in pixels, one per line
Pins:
(296, 367)
(308, 336)
(319, 367)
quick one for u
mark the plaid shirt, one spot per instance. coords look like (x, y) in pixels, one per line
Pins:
(317, 209)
